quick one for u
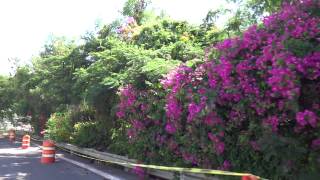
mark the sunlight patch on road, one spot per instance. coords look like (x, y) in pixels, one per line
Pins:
(19, 151)
(19, 164)
(14, 164)
(18, 176)
(19, 157)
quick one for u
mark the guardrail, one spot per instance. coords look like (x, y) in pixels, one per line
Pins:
(122, 159)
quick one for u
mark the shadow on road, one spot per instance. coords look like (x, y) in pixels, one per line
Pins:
(19, 164)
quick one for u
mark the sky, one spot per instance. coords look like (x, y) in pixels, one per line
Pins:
(25, 25)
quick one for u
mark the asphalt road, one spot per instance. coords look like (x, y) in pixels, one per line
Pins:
(16, 163)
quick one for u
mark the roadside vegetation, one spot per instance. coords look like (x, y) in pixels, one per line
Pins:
(243, 97)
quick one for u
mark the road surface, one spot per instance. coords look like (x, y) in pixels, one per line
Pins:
(16, 163)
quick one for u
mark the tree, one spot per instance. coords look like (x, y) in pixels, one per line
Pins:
(135, 9)
(6, 97)
(251, 12)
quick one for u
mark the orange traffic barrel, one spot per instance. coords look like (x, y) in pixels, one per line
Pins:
(25, 142)
(12, 135)
(48, 152)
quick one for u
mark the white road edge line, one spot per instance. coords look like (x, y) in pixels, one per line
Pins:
(92, 169)
(85, 166)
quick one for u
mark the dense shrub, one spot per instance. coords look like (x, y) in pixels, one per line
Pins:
(62, 128)
(252, 106)
(59, 127)
(89, 134)
(119, 140)
(81, 113)
(84, 135)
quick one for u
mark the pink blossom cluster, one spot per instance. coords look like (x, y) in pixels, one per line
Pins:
(127, 28)
(128, 97)
(306, 118)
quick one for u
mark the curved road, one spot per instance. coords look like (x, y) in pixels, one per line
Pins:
(19, 164)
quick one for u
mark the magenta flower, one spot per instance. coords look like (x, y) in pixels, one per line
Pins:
(213, 138)
(193, 110)
(281, 82)
(131, 133)
(173, 146)
(272, 121)
(128, 98)
(173, 108)
(170, 128)
(225, 166)
(212, 81)
(160, 139)
(219, 146)
(138, 125)
(189, 157)
(307, 117)
(251, 80)
(130, 20)
(139, 171)
(255, 145)
(120, 114)
(208, 120)
(300, 119)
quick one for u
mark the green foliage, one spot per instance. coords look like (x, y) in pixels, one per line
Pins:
(109, 30)
(80, 82)
(261, 6)
(117, 64)
(81, 113)
(90, 134)
(300, 48)
(157, 67)
(65, 74)
(182, 51)
(59, 127)
(84, 135)
(164, 33)
(119, 139)
(6, 95)
(135, 9)
(264, 131)
(212, 17)
(57, 46)
(250, 12)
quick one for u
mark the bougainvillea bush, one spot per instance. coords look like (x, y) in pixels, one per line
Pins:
(253, 106)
